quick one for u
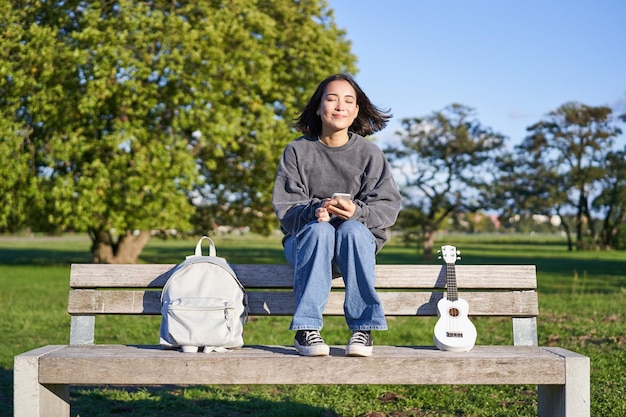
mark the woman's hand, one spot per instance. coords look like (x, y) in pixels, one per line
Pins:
(342, 208)
(322, 214)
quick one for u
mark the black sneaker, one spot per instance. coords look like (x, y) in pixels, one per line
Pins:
(360, 344)
(310, 343)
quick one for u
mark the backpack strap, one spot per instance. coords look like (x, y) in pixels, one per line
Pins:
(211, 247)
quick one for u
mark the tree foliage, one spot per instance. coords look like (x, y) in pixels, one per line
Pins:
(561, 165)
(120, 114)
(611, 201)
(526, 187)
(445, 158)
(17, 185)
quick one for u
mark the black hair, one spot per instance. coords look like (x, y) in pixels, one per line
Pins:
(370, 118)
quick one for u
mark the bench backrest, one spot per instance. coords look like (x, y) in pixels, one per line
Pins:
(405, 290)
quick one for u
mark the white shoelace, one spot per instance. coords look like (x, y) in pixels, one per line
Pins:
(313, 337)
(360, 338)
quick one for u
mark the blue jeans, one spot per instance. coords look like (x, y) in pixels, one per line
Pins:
(314, 253)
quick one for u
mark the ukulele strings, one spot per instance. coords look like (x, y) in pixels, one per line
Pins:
(452, 297)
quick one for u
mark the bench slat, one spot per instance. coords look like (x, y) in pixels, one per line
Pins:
(513, 277)
(281, 303)
(276, 364)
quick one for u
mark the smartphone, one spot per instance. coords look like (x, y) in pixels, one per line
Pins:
(342, 196)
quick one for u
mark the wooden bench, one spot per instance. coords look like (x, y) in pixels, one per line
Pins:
(42, 376)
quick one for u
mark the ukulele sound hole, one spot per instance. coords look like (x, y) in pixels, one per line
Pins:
(454, 312)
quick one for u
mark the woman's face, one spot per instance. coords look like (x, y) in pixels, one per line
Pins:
(338, 107)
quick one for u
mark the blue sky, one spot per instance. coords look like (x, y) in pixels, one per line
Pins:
(511, 61)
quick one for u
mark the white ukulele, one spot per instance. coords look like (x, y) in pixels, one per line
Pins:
(453, 331)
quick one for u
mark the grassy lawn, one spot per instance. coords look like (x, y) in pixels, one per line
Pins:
(582, 298)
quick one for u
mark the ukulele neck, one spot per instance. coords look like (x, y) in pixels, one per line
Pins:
(453, 293)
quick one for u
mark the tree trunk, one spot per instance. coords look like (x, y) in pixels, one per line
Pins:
(130, 246)
(125, 249)
(610, 229)
(590, 224)
(611, 233)
(429, 243)
(606, 234)
(568, 233)
(579, 222)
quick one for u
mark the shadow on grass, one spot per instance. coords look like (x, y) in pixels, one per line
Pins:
(183, 402)
(156, 255)
(6, 392)
(247, 255)
(41, 257)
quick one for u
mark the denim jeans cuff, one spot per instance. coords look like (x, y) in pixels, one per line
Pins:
(368, 328)
(305, 327)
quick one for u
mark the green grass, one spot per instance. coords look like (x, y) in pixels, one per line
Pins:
(582, 295)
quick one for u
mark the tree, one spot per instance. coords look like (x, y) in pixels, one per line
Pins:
(526, 187)
(565, 157)
(611, 202)
(121, 114)
(446, 158)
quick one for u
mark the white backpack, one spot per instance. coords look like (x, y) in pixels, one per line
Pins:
(203, 304)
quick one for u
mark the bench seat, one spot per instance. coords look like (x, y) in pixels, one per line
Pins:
(42, 377)
(261, 364)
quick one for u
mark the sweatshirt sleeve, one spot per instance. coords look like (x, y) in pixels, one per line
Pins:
(292, 204)
(379, 203)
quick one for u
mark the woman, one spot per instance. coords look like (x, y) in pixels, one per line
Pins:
(326, 236)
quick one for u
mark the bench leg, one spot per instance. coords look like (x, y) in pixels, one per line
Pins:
(32, 399)
(572, 399)
(82, 330)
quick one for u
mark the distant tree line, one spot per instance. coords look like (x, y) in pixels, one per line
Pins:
(567, 166)
(127, 119)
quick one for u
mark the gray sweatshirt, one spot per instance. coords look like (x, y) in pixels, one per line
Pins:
(310, 171)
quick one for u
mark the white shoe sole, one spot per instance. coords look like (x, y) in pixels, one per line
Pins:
(359, 350)
(315, 350)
